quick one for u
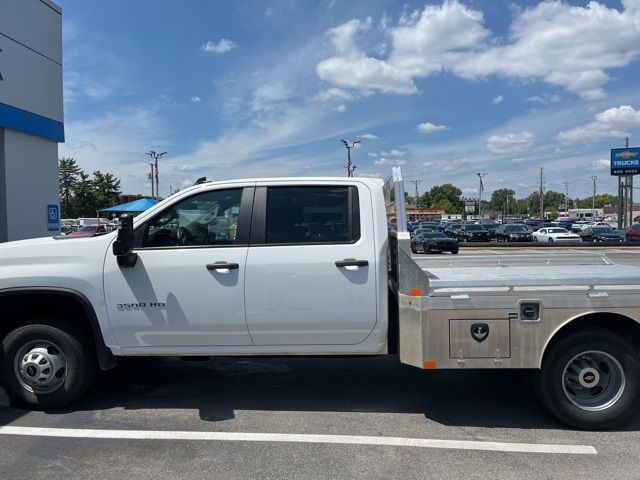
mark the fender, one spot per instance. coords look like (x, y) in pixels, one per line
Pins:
(106, 359)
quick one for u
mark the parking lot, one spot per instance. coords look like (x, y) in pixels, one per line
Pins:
(310, 418)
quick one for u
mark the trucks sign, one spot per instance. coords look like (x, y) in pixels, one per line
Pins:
(625, 161)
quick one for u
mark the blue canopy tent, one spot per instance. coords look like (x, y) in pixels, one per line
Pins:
(136, 206)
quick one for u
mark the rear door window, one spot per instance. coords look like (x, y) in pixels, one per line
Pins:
(312, 214)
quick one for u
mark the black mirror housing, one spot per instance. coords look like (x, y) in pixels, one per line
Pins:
(123, 246)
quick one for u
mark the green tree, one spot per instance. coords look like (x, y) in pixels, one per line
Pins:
(499, 199)
(106, 188)
(446, 196)
(68, 175)
(84, 201)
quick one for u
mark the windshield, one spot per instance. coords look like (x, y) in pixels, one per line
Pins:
(516, 228)
(474, 227)
(89, 228)
(433, 235)
(602, 230)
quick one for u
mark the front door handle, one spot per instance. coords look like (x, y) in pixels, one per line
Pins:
(222, 267)
(350, 262)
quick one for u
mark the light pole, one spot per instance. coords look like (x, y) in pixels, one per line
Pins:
(153, 194)
(566, 197)
(480, 190)
(156, 157)
(349, 146)
(593, 198)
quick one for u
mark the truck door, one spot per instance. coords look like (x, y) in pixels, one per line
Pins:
(187, 286)
(311, 266)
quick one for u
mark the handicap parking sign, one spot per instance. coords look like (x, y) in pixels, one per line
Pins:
(53, 218)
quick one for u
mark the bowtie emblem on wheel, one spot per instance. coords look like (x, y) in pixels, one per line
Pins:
(479, 331)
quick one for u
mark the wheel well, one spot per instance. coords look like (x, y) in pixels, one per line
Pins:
(20, 306)
(613, 322)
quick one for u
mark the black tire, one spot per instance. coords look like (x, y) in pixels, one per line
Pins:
(455, 252)
(77, 348)
(426, 250)
(550, 380)
(413, 250)
(550, 240)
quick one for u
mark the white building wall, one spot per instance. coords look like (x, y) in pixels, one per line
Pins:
(31, 115)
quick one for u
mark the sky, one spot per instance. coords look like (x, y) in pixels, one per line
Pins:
(237, 89)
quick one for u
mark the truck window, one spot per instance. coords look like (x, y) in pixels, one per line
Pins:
(208, 218)
(313, 214)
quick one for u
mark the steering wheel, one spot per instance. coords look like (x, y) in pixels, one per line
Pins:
(184, 236)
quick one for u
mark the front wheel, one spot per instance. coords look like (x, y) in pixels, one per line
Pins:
(47, 363)
(589, 379)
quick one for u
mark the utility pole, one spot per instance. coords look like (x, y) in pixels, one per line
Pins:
(350, 167)
(415, 184)
(566, 197)
(541, 194)
(156, 157)
(153, 191)
(480, 190)
(593, 197)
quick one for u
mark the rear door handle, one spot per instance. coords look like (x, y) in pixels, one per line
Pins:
(218, 266)
(349, 262)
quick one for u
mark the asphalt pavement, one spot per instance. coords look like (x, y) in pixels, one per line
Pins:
(309, 418)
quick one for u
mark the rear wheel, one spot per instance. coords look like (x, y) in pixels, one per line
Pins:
(535, 239)
(47, 363)
(590, 379)
(455, 251)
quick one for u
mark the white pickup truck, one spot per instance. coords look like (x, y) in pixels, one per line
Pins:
(309, 266)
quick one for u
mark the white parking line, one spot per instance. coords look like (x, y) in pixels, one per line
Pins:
(299, 438)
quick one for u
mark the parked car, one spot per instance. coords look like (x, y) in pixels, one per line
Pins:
(491, 228)
(600, 233)
(473, 233)
(633, 233)
(429, 242)
(545, 225)
(555, 235)
(452, 229)
(420, 230)
(89, 231)
(513, 233)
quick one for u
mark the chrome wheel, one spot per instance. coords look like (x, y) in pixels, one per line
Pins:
(593, 380)
(40, 366)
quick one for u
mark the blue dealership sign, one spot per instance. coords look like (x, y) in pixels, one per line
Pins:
(53, 218)
(625, 161)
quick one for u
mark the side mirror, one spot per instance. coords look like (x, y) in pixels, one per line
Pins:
(123, 246)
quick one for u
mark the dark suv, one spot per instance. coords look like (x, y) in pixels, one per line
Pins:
(473, 233)
(513, 233)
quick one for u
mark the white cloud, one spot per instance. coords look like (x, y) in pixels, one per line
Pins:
(543, 99)
(374, 155)
(223, 46)
(368, 136)
(428, 127)
(340, 108)
(600, 164)
(510, 142)
(555, 42)
(517, 160)
(394, 152)
(611, 123)
(385, 161)
(497, 99)
(351, 68)
(196, 99)
(334, 92)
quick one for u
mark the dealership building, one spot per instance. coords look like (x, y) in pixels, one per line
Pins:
(31, 117)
